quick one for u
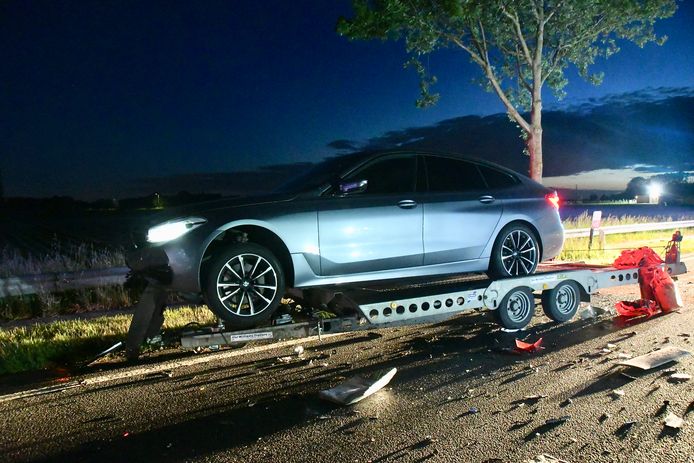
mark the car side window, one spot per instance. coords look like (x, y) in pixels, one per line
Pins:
(387, 176)
(497, 179)
(446, 174)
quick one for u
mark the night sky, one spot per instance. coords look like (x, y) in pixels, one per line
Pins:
(97, 96)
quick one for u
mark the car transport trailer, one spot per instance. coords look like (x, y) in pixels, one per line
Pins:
(559, 288)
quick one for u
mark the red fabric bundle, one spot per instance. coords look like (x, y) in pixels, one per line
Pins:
(665, 290)
(645, 282)
(637, 308)
(632, 258)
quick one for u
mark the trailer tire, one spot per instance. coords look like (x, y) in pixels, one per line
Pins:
(255, 277)
(561, 302)
(516, 308)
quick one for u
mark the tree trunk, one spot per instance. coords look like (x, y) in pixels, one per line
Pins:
(533, 144)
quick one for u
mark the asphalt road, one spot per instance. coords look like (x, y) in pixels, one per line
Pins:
(457, 396)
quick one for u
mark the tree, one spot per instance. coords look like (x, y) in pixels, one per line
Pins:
(519, 45)
(636, 186)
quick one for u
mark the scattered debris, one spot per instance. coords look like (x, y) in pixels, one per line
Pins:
(605, 351)
(625, 429)
(566, 403)
(604, 417)
(617, 393)
(628, 376)
(473, 410)
(678, 377)
(587, 313)
(529, 347)
(623, 355)
(299, 350)
(356, 388)
(534, 398)
(283, 319)
(545, 458)
(113, 349)
(673, 421)
(284, 359)
(611, 346)
(560, 420)
(657, 358)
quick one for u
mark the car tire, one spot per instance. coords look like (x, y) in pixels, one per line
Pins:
(516, 309)
(561, 302)
(244, 285)
(516, 252)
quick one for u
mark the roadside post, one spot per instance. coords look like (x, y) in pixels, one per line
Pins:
(595, 225)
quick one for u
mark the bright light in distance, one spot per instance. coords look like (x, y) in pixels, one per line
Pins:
(171, 230)
(655, 190)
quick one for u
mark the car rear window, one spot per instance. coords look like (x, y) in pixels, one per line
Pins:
(445, 174)
(496, 178)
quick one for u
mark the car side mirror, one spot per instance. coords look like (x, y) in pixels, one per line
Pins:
(353, 187)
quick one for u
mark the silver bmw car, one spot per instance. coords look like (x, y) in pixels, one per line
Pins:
(354, 218)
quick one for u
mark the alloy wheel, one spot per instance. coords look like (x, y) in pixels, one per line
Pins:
(247, 284)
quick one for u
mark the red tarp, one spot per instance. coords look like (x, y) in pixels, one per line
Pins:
(633, 258)
(658, 290)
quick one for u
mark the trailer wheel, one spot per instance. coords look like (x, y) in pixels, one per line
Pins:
(561, 302)
(244, 285)
(516, 308)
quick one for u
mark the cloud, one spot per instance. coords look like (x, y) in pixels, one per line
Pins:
(343, 145)
(653, 127)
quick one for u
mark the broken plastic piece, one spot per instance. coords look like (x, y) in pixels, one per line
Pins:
(617, 393)
(356, 388)
(657, 358)
(560, 420)
(676, 377)
(529, 347)
(673, 421)
(587, 313)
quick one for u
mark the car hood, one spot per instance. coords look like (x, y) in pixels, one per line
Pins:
(208, 207)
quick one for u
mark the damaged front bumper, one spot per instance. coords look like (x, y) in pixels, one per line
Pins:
(150, 263)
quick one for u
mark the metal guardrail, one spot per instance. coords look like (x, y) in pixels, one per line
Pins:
(61, 281)
(637, 227)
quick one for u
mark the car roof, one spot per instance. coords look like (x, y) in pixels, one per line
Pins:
(363, 157)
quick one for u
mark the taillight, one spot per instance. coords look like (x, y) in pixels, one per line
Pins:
(553, 199)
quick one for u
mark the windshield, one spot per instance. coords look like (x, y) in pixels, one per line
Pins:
(320, 174)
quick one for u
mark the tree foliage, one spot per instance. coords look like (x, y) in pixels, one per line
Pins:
(519, 45)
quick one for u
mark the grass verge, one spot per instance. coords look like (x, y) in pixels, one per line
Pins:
(585, 219)
(45, 345)
(576, 249)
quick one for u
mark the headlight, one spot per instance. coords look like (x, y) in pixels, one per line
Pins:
(173, 229)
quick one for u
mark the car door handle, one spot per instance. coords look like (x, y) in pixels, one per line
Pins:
(486, 199)
(407, 204)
